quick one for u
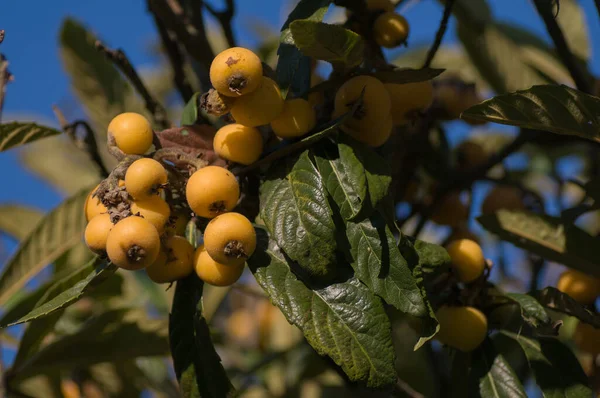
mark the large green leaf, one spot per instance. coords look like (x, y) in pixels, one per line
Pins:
(295, 209)
(293, 68)
(18, 221)
(493, 375)
(197, 364)
(62, 292)
(533, 312)
(558, 109)
(331, 43)
(556, 369)
(18, 133)
(57, 232)
(546, 236)
(344, 320)
(111, 336)
(561, 302)
(377, 263)
(34, 335)
(571, 18)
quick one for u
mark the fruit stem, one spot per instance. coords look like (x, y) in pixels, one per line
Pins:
(235, 248)
(136, 253)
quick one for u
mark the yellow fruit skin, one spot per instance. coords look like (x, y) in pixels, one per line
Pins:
(390, 29)
(376, 136)
(144, 177)
(298, 118)
(467, 257)
(463, 328)
(470, 155)
(92, 206)
(212, 190)
(408, 98)
(96, 233)
(502, 197)
(234, 66)
(132, 133)
(260, 107)
(175, 261)
(214, 273)
(154, 209)
(582, 288)
(241, 326)
(126, 235)
(229, 227)
(587, 338)
(238, 143)
(451, 211)
(179, 225)
(375, 106)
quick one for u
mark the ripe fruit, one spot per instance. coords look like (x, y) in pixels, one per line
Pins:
(230, 238)
(297, 118)
(178, 223)
(236, 71)
(502, 197)
(587, 338)
(96, 233)
(175, 261)
(469, 155)
(241, 326)
(215, 273)
(409, 98)
(390, 29)
(132, 133)
(133, 243)
(144, 177)
(238, 143)
(260, 107)
(467, 258)
(212, 190)
(154, 209)
(582, 288)
(376, 136)
(375, 103)
(216, 103)
(451, 211)
(463, 328)
(93, 206)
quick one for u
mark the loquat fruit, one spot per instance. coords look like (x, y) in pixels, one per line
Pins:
(297, 118)
(374, 137)
(132, 133)
(154, 209)
(133, 243)
(212, 190)
(175, 261)
(390, 29)
(214, 273)
(93, 206)
(260, 107)
(375, 102)
(587, 338)
(470, 154)
(238, 143)
(144, 178)
(178, 223)
(96, 233)
(451, 211)
(582, 288)
(236, 71)
(463, 328)
(502, 197)
(408, 98)
(230, 238)
(467, 258)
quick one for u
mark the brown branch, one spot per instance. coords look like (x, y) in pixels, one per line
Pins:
(439, 36)
(118, 57)
(5, 75)
(597, 2)
(224, 17)
(176, 59)
(564, 52)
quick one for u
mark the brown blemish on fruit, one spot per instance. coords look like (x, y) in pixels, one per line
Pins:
(230, 61)
(136, 254)
(217, 207)
(235, 249)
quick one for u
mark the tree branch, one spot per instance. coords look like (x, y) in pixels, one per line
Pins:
(5, 75)
(564, 52)
(118, 57)
(224, 17)
(175, 59)
(439, 36)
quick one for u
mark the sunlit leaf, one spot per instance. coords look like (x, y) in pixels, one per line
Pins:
(558, 301)
(18, 221)
(16, 134)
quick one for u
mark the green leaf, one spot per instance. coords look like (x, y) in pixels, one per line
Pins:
(407, 75)
(558, 109)
(558, 301)
(343, 320)
(331, 43)
(556, 369)
(57, 232)
(197, 364)
(432, 257)
(190, 111)
(293, 68)
(546, 236)
(17, 133)
(111, 336)
(34, 335)
(296, 212)
(377, 263)
(18, 221)
(533, 313)
(493, 374)
(571, 18)
(64, 291)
